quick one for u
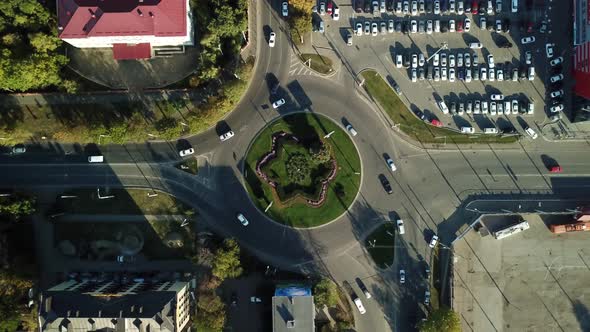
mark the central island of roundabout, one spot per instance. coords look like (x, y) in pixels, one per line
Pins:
(302, 170)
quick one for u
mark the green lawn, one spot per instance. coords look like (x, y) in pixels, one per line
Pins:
(319, 63)
(300, 214)
(376, 86)
(126, 201)
(381, 245)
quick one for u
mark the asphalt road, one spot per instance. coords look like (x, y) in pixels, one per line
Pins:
(429, 185)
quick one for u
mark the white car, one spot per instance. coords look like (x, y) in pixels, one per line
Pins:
(556, 61)
(460, 60)
(451, 60)
(443, 59)
(429, 27)
(383, 28)
(468, 75)
(475, 46)
(443, 107)
(414, 60)
(467, 25)
(421, 60)
(436, 7)
(491, 61)
(451, 74)
(285, 9)
(549, 50)
(531, 75)
(528, 57)
(322, 8)
(242, 219)
(382, 6)
(528, 40)
(359, 29)
(414, 26)
(490, 8)
(500, 75)
(414, 10)
(406, 10)
(367, 28)
(374, 29)
(399, 61)
(398, 7)
(493, 108)
(556, 108)
(498, 26)
(460, 9)
(497, 96)
(477, 107)
(556, 78)
(278, 103)
(492, 75)
(414, 75)
(390, 27)
(186, 152)
(484, 107)
(226, 136)
(452, 25)
(466, 130)
(483, 75)
(351, 129)
(515, 107)
(436, 59)
(336, 15)
(434, 240)
(402, 276)
(359, 306)
(272, 39)
(437, 26)
(443, 73)
(514, 6)
(400, 227)
(507, 107)
(452, 6)
(391, 165)
(555, 94)
(467, 59)
(531, 133)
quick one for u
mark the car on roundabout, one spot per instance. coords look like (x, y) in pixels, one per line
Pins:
(227, 135)
(351, 130)
(386, 185)
(242, 219)
(390, 164)
(186, 152)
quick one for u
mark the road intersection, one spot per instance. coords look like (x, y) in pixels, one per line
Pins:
(430, 186)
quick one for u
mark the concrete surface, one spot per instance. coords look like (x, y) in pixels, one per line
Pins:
(530, 281)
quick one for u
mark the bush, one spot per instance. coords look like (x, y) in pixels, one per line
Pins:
(325, 293)
(443, 319)
(211, 313)
(17, 206)
(227, 260)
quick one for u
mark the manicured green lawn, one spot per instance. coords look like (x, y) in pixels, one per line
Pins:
(381, 245)
(319, 63)
(300, 214)
(376, 86)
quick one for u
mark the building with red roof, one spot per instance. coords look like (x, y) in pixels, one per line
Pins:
(130, 27)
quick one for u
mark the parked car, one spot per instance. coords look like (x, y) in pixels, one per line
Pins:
(402, 276)
(556, 61)
(556, 78)
(556, 93)
(19, 149)
(400, 227)
(531, 132)
(278, 103)
(497, 96)
(359, 306)
(186, 152)
(285, 9)
(556, 108)
(549, 50)
(527, 40)
(227, 135)
(427, 297)
(475, 46)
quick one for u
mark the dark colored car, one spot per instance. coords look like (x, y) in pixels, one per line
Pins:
(398, 26)
(385, 183)
(506, 25)
(359, 5)
(389, 5)
(368, 8)
(234, 299)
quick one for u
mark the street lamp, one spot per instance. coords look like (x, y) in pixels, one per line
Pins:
(329, 134)
(268, 207)
(103, 197)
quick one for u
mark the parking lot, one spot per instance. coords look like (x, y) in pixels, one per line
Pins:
(448, 72)
(530, 281)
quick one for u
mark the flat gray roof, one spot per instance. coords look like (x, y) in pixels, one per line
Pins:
(298, 311)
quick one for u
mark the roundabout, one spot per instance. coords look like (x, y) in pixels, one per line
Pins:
(303, 170)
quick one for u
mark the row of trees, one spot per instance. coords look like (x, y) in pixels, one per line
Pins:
(29, 48)
(224, 263)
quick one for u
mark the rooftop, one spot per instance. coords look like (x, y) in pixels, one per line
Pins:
(293, 314)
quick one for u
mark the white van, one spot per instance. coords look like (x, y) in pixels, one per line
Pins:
(490, 131)
(95, 159)
(514, 6)
(467, 130)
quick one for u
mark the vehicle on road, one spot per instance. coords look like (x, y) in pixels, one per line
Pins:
(433, 241)
(402, 276)
(242, 219)
(556, 78)
(272, 39)
(186, 152)
(531, 74)
(285, 9)
(227, 135)
(427, 272)
(527, 40)
(359, 306)
(278, 103)
(125, 259)
(390, 164)
(555, 169)
(96, 159)
(386, 185)
(531, 132)
(19, 149)
(400, 227)
(398, 61)
(549, 50)
(351, 130)
(427, 297)
(556, 61)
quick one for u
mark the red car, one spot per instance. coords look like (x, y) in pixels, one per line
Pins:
(436, 123)
(460, 26)
(556, 169)
(474, 5)
(330, 8)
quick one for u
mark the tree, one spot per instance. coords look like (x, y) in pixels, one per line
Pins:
(443, 319)
(227, 260)
(17, 205)
(298, 168)
(325, 293)
(210, 312)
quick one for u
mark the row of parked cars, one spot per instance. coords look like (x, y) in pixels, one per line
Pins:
(496, 106)
(437, 7)
(469, 74)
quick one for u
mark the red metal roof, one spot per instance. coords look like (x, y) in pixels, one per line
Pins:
(132, 51)
(91, 18)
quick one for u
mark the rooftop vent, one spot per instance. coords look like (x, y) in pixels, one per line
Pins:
(291, 324)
